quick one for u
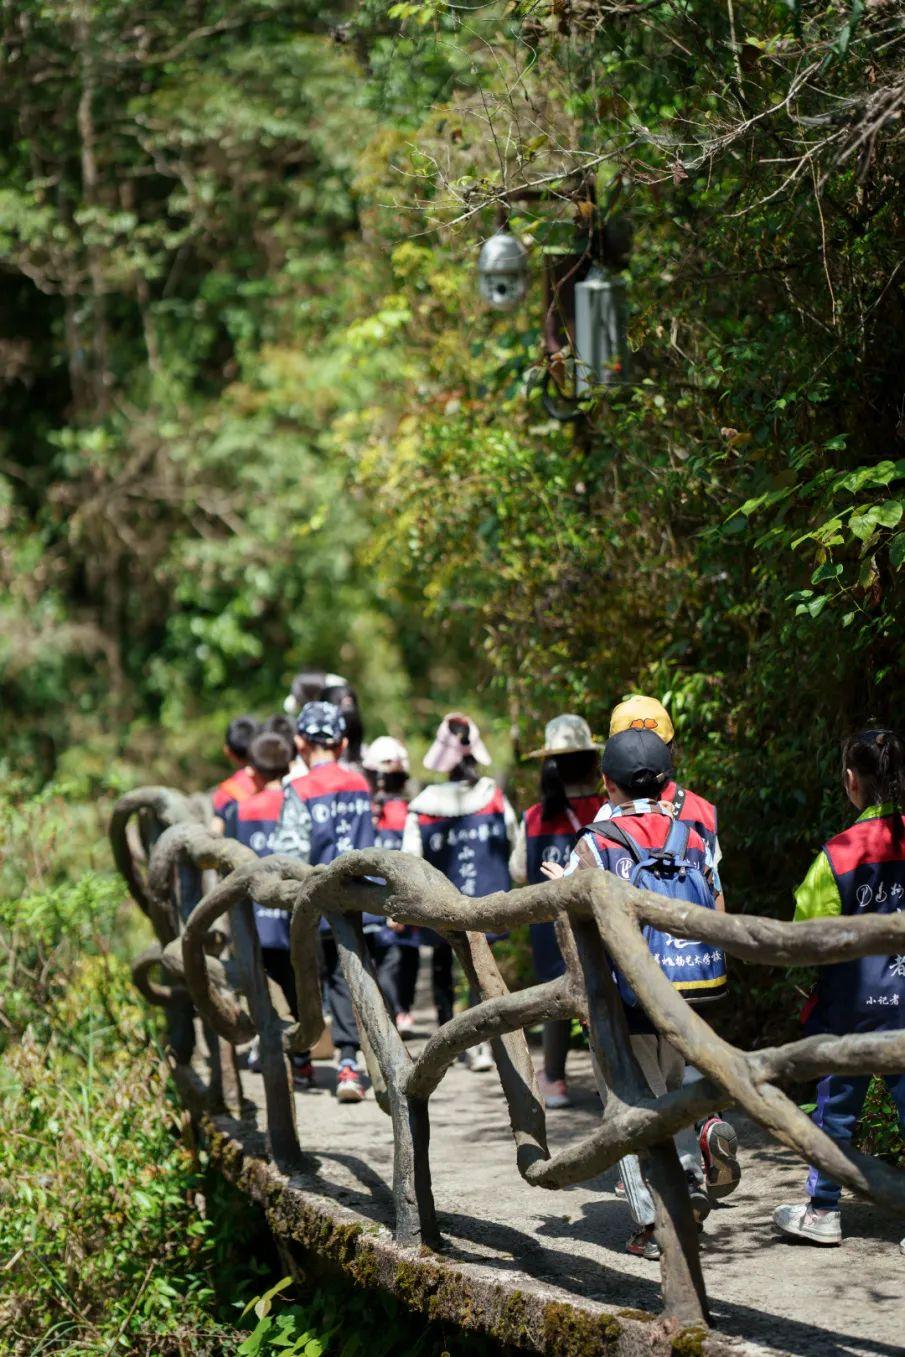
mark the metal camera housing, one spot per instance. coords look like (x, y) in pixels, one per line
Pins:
(503, 270)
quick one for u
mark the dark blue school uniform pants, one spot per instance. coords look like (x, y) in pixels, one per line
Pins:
(840, 1098)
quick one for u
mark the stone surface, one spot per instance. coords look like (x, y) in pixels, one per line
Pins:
(568, 1246)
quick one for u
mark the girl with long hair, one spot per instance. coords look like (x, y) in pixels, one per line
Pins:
(860, 871)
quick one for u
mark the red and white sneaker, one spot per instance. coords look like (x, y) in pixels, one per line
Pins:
(719, 1151)
(349, 1088)
(554, 1092)
(405, 1024)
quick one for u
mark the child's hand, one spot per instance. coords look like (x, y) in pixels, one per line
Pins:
(552, 870)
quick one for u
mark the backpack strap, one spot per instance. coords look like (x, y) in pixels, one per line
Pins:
(677, 839)
(678, 802)
(609, 829)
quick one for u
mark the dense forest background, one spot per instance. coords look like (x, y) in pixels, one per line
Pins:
(254, 416)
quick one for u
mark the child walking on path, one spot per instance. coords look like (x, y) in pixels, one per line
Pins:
(639, 829)
(466, 829)
(240, 733)
(570, 799)
(860, 871)
(325, 813)
(647, 713)
(253, 821)
(396, 946)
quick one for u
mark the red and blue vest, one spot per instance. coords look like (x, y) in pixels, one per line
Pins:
(697, 812)
(338, 800)
(552, 841)
(391, 825)
(234, 788)
(471, 850)
(253, 821)
(866, 995)
(389, 830)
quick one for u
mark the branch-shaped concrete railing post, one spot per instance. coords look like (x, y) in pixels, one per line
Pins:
(500, 1017)
(510, 1050)
(167, 807)
(599, 919)
(621, 1086)
(234, 894)
(139, 819)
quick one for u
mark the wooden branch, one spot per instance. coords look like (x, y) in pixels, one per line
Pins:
(159, 995)
(510, 1051)
(169, 808)
(416, 1221)
(622, 1087)
(598, 919)
(729, 1067)
(486, 1021)
(629, 1130)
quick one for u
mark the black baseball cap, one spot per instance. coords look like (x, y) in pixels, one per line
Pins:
(638, 761)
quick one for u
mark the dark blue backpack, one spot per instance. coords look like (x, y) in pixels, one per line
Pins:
(696, 969)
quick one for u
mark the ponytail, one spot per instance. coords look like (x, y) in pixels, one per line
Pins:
(467, 771)
(554, 798)
(878, 757)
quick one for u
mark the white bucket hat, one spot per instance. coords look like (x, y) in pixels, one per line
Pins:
(385, 754)
(566, 734)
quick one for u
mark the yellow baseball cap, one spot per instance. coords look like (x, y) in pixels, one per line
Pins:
(642, 713)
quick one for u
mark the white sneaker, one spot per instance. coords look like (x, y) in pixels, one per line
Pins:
(253, 1056)
(804, 1222)
(480, 1058)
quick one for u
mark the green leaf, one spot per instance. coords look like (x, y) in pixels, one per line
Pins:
(889, 513)
(861, 525)
(827, 571)
(261, 1304)
(897, 551)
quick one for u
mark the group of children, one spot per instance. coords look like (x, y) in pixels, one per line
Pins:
(304, 784)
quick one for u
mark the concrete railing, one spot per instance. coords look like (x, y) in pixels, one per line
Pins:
(599, 920)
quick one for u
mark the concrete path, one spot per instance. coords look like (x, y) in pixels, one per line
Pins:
(785, 1297)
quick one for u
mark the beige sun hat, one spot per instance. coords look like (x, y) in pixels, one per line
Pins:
(566, 734)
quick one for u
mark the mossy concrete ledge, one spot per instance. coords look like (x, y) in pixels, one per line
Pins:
(316, 1235)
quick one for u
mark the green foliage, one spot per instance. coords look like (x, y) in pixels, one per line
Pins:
(879, 1130)
(103, 1230)
(114, 1236)
(256, 416)
(328, 1321)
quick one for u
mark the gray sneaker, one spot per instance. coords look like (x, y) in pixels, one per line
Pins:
(803, 1222)
(701, 1205)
